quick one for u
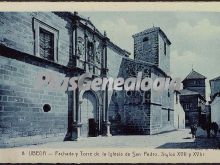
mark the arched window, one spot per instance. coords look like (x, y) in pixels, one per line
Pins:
(145, 43)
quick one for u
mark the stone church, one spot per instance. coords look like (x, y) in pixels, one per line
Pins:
(67, 45)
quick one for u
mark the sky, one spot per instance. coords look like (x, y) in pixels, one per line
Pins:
(195, 37)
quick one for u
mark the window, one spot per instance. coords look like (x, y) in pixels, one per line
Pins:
(145, 39)
(46, 44)
(186, 106)
(146, 44)
(147, 96)
(177, 98)
(168, 114)
(165, 48)
(46, 107)
(128, 93)
(46, 41)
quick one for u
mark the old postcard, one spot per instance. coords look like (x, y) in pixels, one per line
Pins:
(109, 82)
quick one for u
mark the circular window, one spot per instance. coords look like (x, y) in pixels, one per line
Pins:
(46, 107)
(129, 93)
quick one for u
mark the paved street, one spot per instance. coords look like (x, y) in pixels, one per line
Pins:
(174, 139)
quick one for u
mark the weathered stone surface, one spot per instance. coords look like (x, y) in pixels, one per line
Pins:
(21, 105)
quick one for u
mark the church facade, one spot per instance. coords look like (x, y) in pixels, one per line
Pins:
(68, 45)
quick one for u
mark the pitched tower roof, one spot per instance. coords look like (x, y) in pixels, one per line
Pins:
(194, 75)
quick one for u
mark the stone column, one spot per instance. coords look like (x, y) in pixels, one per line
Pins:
(75, 55)
(106, 118)
(106, 130)
(86, 47)
(94, 55)
(99, 119)
(76, 116)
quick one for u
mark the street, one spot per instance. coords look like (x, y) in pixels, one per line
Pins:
(175, 139)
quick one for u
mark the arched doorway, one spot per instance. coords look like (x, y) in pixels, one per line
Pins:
(89, 114)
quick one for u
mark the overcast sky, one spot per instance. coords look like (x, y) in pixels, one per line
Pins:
(195, 37)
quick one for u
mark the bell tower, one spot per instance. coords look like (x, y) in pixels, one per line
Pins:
(153, 46)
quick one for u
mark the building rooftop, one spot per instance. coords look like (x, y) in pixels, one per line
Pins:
(194, 75)
(216, 95)
(214, 79)
(188, 92)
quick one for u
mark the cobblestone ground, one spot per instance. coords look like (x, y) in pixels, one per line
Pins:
(174, 139)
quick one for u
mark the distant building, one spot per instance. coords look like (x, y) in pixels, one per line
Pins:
(215, 87)
(194, 81)
(179, 113)
(192, 97)
(215, 109)
(207, 112)
(215, 99)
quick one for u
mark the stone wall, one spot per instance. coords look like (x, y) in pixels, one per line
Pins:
(164, 59)
(134, 113)
(22, 118)
(179, 113)
(215, 115)
(146, 50)
(162, 108)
